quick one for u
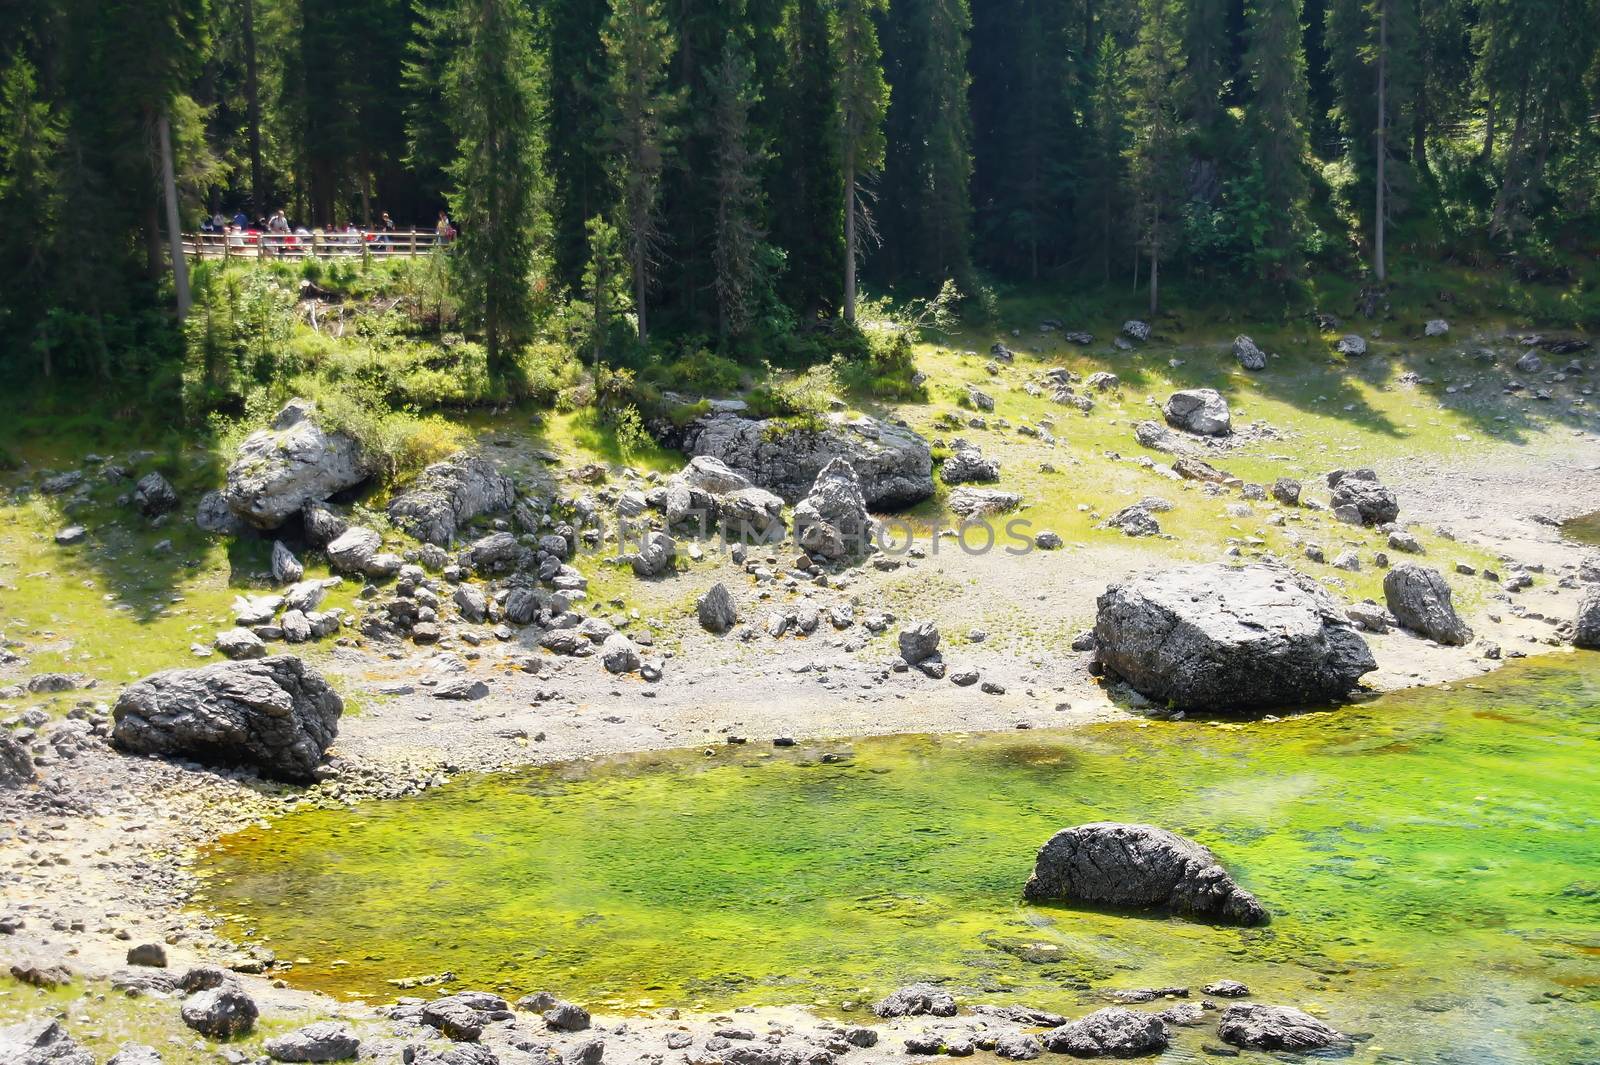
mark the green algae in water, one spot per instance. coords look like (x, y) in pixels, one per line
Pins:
(1584, 530)
(1432, 860)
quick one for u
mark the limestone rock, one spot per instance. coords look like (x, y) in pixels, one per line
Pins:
(153, 495)
(716, 610)
(322, 1041)
(1139, 867)
(832, 520)
(1261, 1027)
(1199, 410)
(449, 493)
(1250, 356)
(286, 569)
(916, 1000)
(294, 462)
(221, 1012)
(1586, 626)
(893, 464)
(1211, 637)
(273, 714)
(1114, 1032)
(1419, 598)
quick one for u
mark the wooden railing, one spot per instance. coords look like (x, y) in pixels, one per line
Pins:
(404, 243)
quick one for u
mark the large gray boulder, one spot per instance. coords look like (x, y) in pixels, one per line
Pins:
(751, 515)
(1199, 410)
(1212, 637)
(1419, 598)
(449, 493)
(832, 520)
(1114, 1032)
(711, 474)
(893, 464)
(1256, 1026)
(967, 465)
(353, 550)
(1586, 626)
(1139, 867)
(41, 1042)
(656, 553)
(280, 469)
(273, 714)
(716, 610)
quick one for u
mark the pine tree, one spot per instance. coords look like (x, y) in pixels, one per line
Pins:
(493, 96)
(1154, 152)
(640, 130)
(739, 161)
(580, 186)
(807, 217)
(1207, 71)
(863, 99)
(1275, 65)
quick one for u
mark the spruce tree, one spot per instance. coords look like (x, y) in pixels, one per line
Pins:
(1155, 162)
(640, 130)
(863, 99)
(1275, 64)
(738, 164)
(604, 285)
(493, 97)
(31, 137)
(807, 215)
(937, 141)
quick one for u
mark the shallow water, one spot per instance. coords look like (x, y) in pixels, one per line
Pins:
(1585, 529)
(1432, 860)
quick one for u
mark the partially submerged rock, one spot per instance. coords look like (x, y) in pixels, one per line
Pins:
(448, 494)
(893, 464)
(273, 714)
(1113, 1032)
(1139, 867)
(1419, 598)
(1254, 1026)
(280, 469)
(1202, 411)
(916, 1000)
(1213, 637)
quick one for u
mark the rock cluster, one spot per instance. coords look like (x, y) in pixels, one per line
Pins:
(448, 494)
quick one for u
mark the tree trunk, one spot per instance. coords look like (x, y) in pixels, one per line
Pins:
(850, 245)
(639, 288)
(1155, 265)
(169, 185)
(252, 98)
(1379, 267)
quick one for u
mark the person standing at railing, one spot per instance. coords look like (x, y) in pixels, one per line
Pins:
(241, 221)
(444, 232)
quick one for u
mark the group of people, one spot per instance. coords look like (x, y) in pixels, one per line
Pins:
(275, 232)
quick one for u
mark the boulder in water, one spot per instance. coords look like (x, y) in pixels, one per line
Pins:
(1255, 1026)
(1213, 637)
(1114, 1032)
(273, 714)
(1139, 867)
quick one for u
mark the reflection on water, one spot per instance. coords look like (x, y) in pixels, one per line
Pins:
(1585, 530)
(1432, 860)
